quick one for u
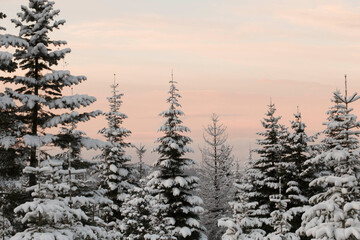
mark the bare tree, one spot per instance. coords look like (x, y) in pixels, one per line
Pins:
(216, 176)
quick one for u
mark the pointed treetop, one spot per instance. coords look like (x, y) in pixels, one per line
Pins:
(345, 86)
(298, 115)
(250, 151)
(345, 98)
(115, 84)
(172, 78)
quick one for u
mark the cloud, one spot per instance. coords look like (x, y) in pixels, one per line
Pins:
(335, 18)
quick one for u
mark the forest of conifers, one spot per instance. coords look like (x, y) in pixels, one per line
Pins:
(293, 186)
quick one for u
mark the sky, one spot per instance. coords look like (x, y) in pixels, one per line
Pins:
(229, 57)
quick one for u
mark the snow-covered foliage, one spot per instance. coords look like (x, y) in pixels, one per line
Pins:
(12, 151)
(216, 177)
(175, 188)
(244, 223)
(269, 166)
(298, 174)
(54, 212)
(40, 89)
(6, 40)
(335, 211)
(6, 229)
(11, 129)
(115, 172)
(139, 212)
(280, 220)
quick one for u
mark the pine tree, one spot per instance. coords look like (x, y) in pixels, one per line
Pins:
(335, 211)
(40, 91)
(174, 185)
(271, 165)
(116, 174)
(216, 175)
(244, 224)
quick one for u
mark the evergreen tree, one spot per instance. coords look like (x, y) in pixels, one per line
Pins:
(116, 175)
(271, 165)
(54, 212)
(80, 175)
(280, 219)
(298, 190)
(174, 185)
(335, 211)
(63, 204)
(216, 176)
(244, 224)
(40, 90)
(139, 215)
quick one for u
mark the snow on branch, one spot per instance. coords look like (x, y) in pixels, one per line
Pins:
(5, 57)
(27, 99)
(36, 141)
(72, 117)
(75, 101)
(64, 77)
(6, 102)
(95, 144)
(7, 141)
(7, 40)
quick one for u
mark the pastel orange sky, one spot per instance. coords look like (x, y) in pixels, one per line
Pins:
(229, 57)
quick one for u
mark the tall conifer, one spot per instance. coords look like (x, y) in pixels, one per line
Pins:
(40, 91)
(175, 186)
(335, 211)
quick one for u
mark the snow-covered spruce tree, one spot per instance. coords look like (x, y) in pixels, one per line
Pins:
(139, 215)
(216, 177)
(81, 177)
(175, 186)
(335, 211)
(41, 87)
(244, 224)
(280, 219)
(270, 164)
(301, 174)
(115, 173)
(54, 212)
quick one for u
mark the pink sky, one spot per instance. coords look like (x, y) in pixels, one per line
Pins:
(229, 58)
